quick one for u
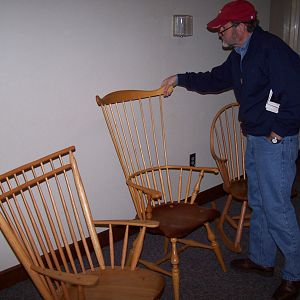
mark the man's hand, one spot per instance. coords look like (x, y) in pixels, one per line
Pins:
(274, 135)
(167, 83)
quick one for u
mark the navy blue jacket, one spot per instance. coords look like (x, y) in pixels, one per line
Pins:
(268, 64)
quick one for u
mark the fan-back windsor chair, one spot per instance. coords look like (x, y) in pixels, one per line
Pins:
(159, 190)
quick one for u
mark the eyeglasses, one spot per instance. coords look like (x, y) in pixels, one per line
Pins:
(222, 31)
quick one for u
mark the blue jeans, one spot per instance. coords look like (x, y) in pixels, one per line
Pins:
(271, 171)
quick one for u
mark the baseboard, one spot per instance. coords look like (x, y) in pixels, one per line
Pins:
(17, 273)
(12, 276)
(211, 194)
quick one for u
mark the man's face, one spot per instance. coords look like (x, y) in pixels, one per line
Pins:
(229, 35)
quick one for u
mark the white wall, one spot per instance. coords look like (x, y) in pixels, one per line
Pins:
(55, 56)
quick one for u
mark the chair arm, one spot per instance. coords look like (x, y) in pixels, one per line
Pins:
(217, 158)
(144, 223)
(76, 279)
(154, 194)
(206, 169)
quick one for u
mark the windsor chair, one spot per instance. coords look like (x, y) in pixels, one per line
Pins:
(160, 191)
(228, 145)
(47, 221)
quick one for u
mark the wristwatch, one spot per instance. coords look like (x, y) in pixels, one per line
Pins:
(275, 140)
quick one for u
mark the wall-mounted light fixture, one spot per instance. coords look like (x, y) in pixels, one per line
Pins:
(182, 25)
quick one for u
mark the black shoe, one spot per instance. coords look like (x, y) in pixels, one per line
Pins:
(246, 265)
(288, 290)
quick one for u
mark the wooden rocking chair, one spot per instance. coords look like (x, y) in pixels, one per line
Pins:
(46, 219)
(159, 190)
(228, 145)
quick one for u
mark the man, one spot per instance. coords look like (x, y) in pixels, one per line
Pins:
(265, 76)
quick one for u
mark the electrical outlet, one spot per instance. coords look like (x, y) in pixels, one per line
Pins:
(193, 159)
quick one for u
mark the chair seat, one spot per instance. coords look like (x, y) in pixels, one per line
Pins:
(239, 189)
(140, 284)
(177, 220)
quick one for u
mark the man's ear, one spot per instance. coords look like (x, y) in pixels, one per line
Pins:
(242, 27)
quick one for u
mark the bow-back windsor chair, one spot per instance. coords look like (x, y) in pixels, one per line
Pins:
(159, 190)
(46, 219)
(228, 146)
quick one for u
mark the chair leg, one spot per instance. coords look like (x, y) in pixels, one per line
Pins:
(239, 230)
(175, 269)
(236, 245)
(81, 294)
(213, 205)
(215, 246)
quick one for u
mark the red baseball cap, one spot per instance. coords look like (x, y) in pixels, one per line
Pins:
(238, 10)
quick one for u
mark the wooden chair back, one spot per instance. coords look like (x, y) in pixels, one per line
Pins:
(46, 219)
(136, 122)
(228, 144)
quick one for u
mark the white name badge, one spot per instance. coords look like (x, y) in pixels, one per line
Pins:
(272, 106)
